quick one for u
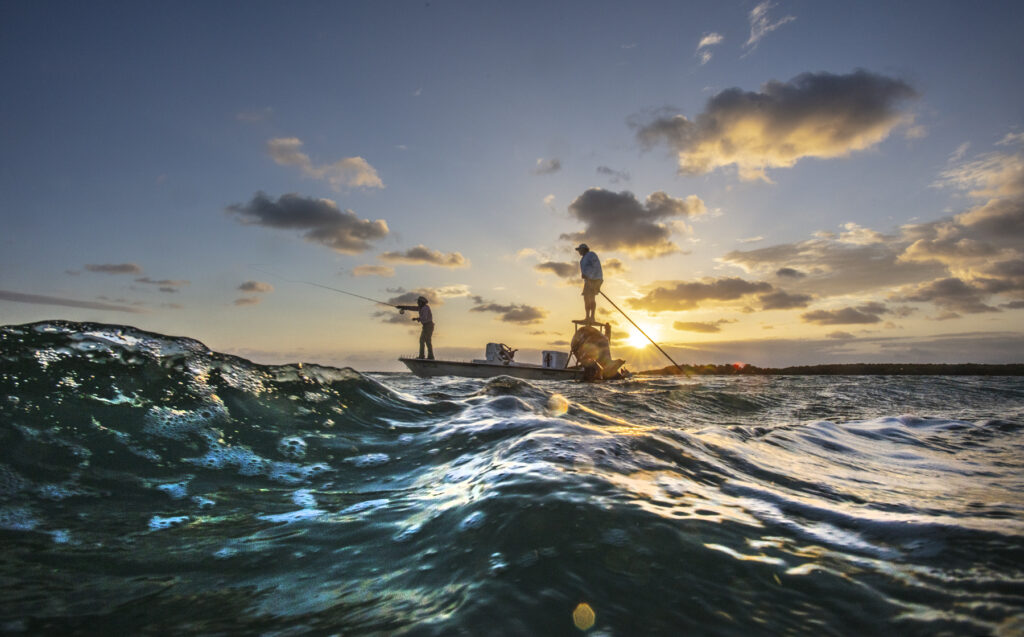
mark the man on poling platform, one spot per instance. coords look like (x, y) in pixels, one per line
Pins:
(593, 277)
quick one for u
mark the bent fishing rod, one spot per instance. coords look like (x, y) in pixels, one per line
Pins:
(642, 332)
(326, 287)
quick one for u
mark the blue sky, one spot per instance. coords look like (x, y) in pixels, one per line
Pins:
(775, 183)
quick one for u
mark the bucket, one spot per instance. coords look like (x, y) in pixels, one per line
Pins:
(554, 360)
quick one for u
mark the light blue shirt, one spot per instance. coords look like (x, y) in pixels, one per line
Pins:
(590, 267)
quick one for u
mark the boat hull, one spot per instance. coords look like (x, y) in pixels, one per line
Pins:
(426, 368)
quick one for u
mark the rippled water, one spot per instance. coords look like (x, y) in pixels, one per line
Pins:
(150, 485)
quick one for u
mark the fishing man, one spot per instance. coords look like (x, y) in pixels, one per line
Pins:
(426, 319)
(593, 277)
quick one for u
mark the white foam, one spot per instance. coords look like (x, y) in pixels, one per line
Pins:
(157, 523)
(293, 447)
(294, 516)
(176, 491)
(365, 505)
(369, 460)
(304, 498)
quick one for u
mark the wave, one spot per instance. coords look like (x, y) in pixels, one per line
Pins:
(148, 483)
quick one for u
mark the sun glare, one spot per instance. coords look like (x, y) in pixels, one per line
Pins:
(637, 340)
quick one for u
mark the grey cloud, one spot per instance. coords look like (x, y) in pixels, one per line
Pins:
(114, 268)
(373, 270)
(790, 273)
(840, 336)
(813, 115)
(422, 255)
(511, 313)
(614, 176)
(952, 294)
(835, 268)
(256, 286)
(780, 300)
(559, 268)
(844, 316)
(169, 286)
(619, 221)
(39, 299)
(704, 327)
(547, 166)
(247, 300)
(322, 220)
(687, 295)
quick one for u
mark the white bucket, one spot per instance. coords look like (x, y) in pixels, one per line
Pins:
(553, 359)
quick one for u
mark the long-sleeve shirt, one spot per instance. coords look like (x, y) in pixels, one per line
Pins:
(590, 267)
(425, 315)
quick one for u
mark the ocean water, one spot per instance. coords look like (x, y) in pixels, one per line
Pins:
(151, 486)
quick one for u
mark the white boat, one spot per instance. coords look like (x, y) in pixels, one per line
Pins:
(426, 367)
(554, 365)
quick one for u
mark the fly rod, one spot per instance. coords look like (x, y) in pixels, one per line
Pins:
(326, 287)
(643, 332)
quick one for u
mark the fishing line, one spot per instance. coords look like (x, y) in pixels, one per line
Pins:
(318, 285)
(642, 332)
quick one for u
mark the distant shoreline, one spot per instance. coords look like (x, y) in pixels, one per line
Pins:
(846, 369)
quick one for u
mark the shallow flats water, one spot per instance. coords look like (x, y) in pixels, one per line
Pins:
(150, 485)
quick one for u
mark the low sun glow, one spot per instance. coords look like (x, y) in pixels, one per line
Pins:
(637, 340)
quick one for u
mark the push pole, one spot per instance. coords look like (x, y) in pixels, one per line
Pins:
(681, 370)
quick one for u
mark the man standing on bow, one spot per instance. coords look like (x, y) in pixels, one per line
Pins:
(426, 319)
(590, 268)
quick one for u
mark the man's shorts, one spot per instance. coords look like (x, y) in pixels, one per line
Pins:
(592, 286)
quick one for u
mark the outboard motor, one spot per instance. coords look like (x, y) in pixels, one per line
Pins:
(591, 348)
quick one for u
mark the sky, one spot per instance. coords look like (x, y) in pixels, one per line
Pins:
(774, 183)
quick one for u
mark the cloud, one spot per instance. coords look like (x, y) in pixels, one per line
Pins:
(322, 220)
(813, 115)
(952, 294)
(709, 40)
(350, 172)
(373, 270)
(703, 327)
(761, 24)
(512, 313)
(547, 166)
(780, 300)
(114, 268)
(859, 235)
(258, 287)
(687, 295)
(614, 176)
(863, 314)
(613, 266)
(169, 286)
(559, 268)
(839, 335)
(422, 255)
(618, 221)
(247, 300)
(826, 267)
(38, 299)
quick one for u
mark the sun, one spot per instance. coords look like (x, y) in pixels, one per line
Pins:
(637, 340)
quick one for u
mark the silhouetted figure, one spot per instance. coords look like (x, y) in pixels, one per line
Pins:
(593, 277)
(426, 319)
